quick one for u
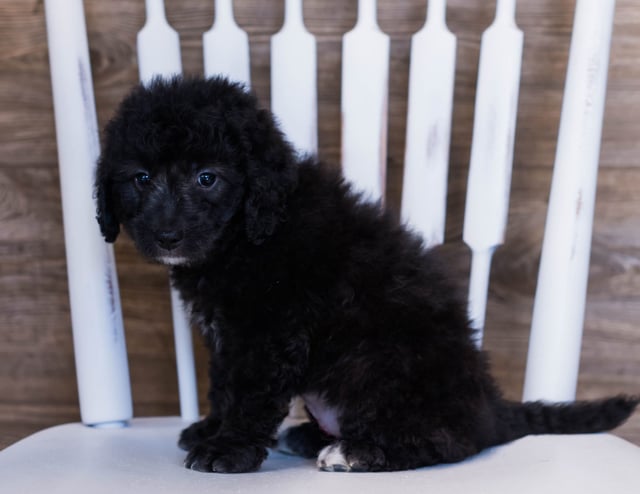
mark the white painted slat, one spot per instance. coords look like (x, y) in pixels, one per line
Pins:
(159, 55)
(294, 98)
(365, 72)
(558, 315)
(492, 151)
(158, 45)
(98, 335)
(185, 364)
(226, 46)
(426, 162)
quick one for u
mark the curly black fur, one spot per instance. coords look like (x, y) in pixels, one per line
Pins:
(301, 287)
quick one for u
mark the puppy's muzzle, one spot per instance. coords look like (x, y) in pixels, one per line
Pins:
(169, 240)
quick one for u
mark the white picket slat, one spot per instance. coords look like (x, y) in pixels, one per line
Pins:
(365, 73)
(558, 315)
(426, 162)
(159, 55)
(294, 98)
(491, 161)
(158, 45)
(226, 46)
(99, 344)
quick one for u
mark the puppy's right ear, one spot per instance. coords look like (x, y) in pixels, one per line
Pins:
(109, 223)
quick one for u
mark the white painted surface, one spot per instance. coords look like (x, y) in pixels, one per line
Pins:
(185, 364)
(494, 125)
(144, 458)
(226, 46)
(558, 315)
(479, 289)
(158, 44)
(365, 73)
(426, 160)
(294, 98)
(159, 55)
(96, 317)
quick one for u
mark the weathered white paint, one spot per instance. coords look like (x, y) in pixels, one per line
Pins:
(96, 317)
(294, 97)
(558, 315)
(226, 46)
(426, 160)
(158, 44)
(159, 55)
(365, 73)
(494, 125)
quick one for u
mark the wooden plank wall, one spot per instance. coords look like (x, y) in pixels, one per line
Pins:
(37, 382)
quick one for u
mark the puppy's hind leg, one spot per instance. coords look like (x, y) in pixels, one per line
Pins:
(402, 441)
(367, 456)
(306, 440)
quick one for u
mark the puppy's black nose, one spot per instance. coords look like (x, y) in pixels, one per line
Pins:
(169, 240)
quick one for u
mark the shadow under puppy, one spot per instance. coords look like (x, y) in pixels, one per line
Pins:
(302, 287)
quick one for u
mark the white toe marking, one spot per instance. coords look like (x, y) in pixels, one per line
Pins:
(332, 458)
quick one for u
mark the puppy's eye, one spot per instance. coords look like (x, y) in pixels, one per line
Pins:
(142, 179)
(206, 179)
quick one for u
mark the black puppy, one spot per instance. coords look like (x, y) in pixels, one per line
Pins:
(301, 287)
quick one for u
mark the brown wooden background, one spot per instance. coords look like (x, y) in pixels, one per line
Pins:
(37, 381)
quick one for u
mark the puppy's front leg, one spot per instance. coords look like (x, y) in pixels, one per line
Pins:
(199, 432)
(250, 401)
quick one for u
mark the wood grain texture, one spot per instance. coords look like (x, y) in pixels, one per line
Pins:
(37, 380)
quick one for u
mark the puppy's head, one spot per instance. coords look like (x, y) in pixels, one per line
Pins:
(186, 162)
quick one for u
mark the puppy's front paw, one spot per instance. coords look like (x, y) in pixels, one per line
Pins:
(207, 457)
(197, 433)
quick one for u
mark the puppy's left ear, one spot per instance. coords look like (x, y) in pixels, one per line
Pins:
(109, 223)
(271, 175)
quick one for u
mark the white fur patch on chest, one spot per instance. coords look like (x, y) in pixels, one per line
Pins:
(325, 415)
(173, 260)
(207, 327)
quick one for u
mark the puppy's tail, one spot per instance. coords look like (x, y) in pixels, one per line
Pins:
(515, 420)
